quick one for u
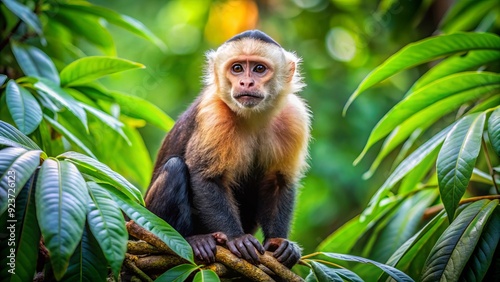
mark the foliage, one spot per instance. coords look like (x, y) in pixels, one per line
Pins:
(459, 99)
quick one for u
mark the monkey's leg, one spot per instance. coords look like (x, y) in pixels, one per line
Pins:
(169, 196)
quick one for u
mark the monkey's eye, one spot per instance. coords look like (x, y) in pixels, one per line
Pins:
(237, 68)
(259, 69)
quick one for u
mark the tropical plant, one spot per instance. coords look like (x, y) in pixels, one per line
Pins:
(437, 216)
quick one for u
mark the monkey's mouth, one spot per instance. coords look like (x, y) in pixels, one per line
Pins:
(248, 99)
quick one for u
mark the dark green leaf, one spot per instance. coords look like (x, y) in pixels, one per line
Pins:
(25, 14)
(66, 133)
(88, 69)
(103, 173)
(154, 224)
(323, 273)
(23, 107)
(61, 201)
(8, 132)
(108, 226)
(34, 62)
(494, 130)
(16, 167)
(457, 158)
(113, 17)
(453, 249)
(426, 50)
(206, 275)
(177, 274)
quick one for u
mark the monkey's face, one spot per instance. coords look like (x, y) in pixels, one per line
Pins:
(249, 77)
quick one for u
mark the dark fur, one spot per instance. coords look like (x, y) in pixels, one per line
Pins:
(255, 34)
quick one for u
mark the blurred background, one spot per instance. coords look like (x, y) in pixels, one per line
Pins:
(340, 42)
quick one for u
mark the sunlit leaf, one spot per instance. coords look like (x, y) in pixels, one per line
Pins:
(469, 17)
(453, 249)
(494, 130)
(34, 62)
(25, 14)
(16, 167)
(178, 273)
(88, 69)
(423, 51)
(108, 226)
(23, 107)
(474, 83)
(457, 158)
(103, 173)
(66, 133)
(113, 17)
(206, 275)
(9, 132)
(61, 201)
(154, 224)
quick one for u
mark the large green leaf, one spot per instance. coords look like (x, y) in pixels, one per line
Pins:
(494, 130)
(476, 84)
(87, 262)
(88, 69)
(23, 107)
(25, 14)
(206, 275)
(27, 235)
(113, 17)
(132, 106)
(468, 18)
(59, 96)
(322, 273)
(391, 271)
(34, 62)
(108, 226)
(61, 201)
(102, 172)
(178, 273)
(453, 249)
(154, 224)
(16, 167)
(68, 134)
(457, 158)
(480, 261)
(11, 136)
(108, 120)
(426, 50)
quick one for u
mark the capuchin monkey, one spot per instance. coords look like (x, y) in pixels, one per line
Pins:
(233, 160)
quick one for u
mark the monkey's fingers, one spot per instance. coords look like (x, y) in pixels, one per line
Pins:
(283, 250)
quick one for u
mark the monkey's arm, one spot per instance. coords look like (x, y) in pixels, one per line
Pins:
(216, 208)
(275, 214)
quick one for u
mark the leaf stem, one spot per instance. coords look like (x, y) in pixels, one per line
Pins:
(490, 167)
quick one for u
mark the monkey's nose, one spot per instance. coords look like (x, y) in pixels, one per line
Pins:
(247, 83)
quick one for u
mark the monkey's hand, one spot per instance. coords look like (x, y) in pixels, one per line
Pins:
(286, 252)
(245, 247)
(204, 245)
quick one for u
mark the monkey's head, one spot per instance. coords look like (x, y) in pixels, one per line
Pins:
(252, 72)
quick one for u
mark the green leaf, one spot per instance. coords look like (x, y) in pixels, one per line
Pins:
(3, 78)
(113, 17)
(323, 273)
(17, 138)
(28, 235)
(108, 120)
(103, 173)
(16, 167)
(34, 62)
(458, 63)
(494, 130)
(132, 106)
(457, 158)
(87, 262)
(61, 201)
(469, 85)
(177, 274)
(453, 249)
(480, 260)
(25, 14)
(424, 51)
(393, 272)
(468, 18)
(23, 107)
(108, 226)
(154, 224)
(206, 275)
(88, 69)
(59, 96)
(66, 133)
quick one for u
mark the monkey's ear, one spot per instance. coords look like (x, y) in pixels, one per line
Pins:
(291, 71)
